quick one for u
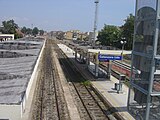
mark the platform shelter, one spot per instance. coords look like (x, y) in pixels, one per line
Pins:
(92, 58)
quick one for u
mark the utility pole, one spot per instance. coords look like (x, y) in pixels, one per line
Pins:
(31, 26)
(95, 23)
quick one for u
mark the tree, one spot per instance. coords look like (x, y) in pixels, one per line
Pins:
(24, 30)
(128, 31)
(18, 35)
(29, 31)
(109, 35)
(9, 27)
(35, 31)
(41, 32)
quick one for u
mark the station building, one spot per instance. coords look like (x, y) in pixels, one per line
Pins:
(18, 71)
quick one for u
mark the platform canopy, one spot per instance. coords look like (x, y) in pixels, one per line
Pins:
(109, 52)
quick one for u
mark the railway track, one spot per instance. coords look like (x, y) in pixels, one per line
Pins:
(89, 105)
(49, 102)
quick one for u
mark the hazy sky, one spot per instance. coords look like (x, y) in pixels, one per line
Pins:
(65, 14)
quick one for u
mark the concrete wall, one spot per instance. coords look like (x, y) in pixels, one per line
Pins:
(10, 112)
(34, 74)
(27, 99)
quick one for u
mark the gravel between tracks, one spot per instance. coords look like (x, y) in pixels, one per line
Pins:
(49, 103)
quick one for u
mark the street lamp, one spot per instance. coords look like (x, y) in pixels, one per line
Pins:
(123, 42)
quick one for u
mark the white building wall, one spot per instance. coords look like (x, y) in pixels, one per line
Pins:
(9, 35)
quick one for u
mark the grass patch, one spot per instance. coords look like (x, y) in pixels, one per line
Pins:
(86, 83)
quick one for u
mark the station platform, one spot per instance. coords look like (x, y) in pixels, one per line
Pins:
(103, 86)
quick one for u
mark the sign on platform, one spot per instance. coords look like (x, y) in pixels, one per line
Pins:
(102, 57)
